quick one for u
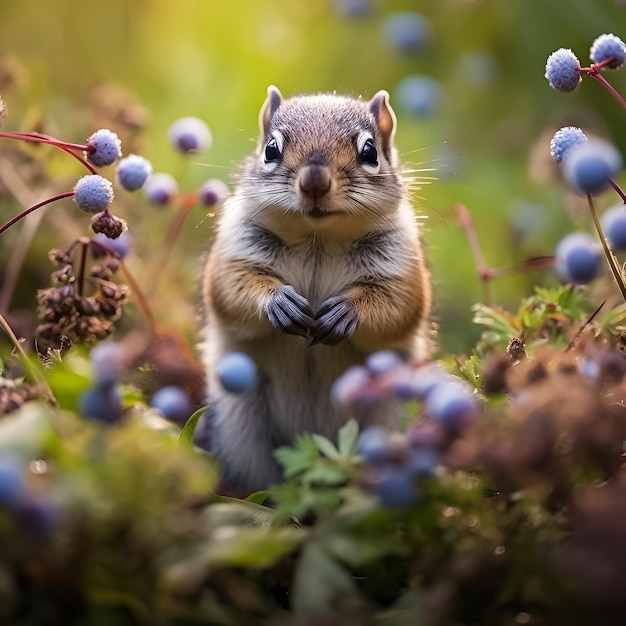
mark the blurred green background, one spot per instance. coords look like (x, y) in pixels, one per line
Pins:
(70, 66)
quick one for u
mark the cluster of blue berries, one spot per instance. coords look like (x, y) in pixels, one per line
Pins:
(398, 462)
(564, 71)
(31, 511)
(188, 135)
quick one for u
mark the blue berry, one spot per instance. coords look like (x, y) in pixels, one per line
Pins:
(563, 70)
(372, 444)
(213, 192)
(237, 372)
(408, 32)
(133, 171)
(395, 487)
(452, 405)
(564, 140)
(160, 189)
(383, 361)
(589, 166)
(93, 193)
(120, 245)
(173, 402)
(418, 383)
(12, 482)
(589, 369)
(578, 258)
(353, 8)
(423, 462)
(418, 95)
(102, 403)
(107, 359)
(614, 225)
(608, 47)
(347, 389)
(36, 516)
(190, 134)
(425, 434)
(103, 148)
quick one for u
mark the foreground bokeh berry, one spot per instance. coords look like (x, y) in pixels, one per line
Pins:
(173, 402)
(237, 372)
(578, 258)
(589, 166)
(614, 225)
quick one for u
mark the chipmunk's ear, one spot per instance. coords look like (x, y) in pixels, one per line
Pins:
(272, 102)
(385, 118)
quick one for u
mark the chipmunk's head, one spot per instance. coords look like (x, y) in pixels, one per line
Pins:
(326, 155)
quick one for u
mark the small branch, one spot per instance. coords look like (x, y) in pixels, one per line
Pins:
(173, 231)
(615, 269)
(484, 273)
(618, 189)
(25, 212)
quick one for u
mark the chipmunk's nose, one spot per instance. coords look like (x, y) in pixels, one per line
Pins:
(315, 180)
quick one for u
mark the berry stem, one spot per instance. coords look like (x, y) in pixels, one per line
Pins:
(40, 138)
(70, 148)
(594, 72)
(141, 297)
(484, 273)
(29, 210)
(618, 189)
(174, 228)
(610, 257)
(518, 268)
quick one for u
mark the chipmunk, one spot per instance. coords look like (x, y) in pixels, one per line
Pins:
(317, 262)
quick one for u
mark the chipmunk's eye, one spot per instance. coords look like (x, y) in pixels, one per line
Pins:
(272, 151)
(369, 154)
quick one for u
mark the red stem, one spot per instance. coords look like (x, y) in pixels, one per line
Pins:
(594, 72)
(618, 189)
(40, 138)
(29, 210)
(70, 148)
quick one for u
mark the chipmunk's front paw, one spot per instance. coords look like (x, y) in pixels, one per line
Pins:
(290, 313)
(335, 321)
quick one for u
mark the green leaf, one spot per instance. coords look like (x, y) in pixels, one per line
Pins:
(258, 497)
(298, 458)
(325, 474)
(186, 434)
(1, 367)
(233, 512)
(347, 439)
(326, 447)
(245, 547)
(319, 582)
